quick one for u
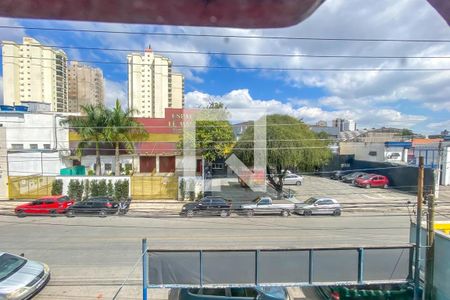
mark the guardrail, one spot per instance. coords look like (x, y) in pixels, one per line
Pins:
(219, 268)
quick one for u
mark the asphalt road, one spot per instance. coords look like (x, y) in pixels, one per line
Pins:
(90, 256)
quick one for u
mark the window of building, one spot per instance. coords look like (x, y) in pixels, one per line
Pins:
(33, 146)
(17, 146)
(108, 167)
(47, 146)
(217, 165)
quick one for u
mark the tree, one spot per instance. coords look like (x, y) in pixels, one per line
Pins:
(213, 139)
(122, 129)
(91, 127)
(406, 132)
(290, 144)
(57, 187)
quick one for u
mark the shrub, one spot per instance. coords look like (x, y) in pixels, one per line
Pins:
(94, 188)
(72, 189)
(110, 188)
(79, 190)
(57, 187)
(118, 190)
(182, 189)
(199, 195)
(125, 188)
(87, 189)
(102, 188)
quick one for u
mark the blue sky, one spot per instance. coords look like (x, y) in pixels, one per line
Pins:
(418, 100)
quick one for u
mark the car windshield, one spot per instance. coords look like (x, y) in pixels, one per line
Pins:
(256, 200)
(273, 292)
(311, 200)
(366, 176)
(10, 264)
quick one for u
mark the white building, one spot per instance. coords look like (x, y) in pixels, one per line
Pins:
(86, 86)
(394, 152)
(36, 143)
(33, 72)
(152, 86)
(344, 125)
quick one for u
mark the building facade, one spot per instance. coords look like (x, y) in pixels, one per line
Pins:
(86, 86)
(33, 72)
(152, 86)
(344, 125)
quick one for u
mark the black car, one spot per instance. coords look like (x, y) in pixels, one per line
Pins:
(350, 178)
(216, 206)
(337, 175)
(101, 206)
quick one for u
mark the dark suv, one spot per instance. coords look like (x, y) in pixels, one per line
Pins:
(101, 206)
(216, 206)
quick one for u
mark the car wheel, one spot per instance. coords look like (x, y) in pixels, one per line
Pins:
(102, 213)
(337, 212)
(250, 213)
(368, 186)
(298, 183)
(70, 213)
(285, 213)
(307, 213)
(224, 213)
(53, 213)
(385, 186)
(190, 213)
(20, 213)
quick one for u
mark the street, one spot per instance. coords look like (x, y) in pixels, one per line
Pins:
(90, 257)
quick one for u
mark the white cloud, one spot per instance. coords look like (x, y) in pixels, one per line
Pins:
(241, 99)
(115, 90)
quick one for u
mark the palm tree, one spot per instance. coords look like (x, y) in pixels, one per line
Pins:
(122, 129)
(91, 128)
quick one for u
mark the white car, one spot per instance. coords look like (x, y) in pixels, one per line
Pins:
(319, 206)
(293, 179)
(21, 278)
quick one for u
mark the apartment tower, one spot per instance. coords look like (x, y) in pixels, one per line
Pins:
(86, 86)
(34, 72)
(152, 86)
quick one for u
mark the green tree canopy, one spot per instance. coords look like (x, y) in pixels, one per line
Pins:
(122, 129)
(213, 139)
(290, 145)
(91, 127)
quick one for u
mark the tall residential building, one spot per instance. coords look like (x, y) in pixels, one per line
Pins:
(152, 86)
(344, 125)
(86, 86)
(33, 72)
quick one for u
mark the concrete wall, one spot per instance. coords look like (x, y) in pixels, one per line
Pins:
(36, 163)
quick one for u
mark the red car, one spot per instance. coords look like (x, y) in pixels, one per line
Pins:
(372, 180)
(50, 205)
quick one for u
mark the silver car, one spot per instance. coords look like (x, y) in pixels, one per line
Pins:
(293, 179)
(21, 278)
(319, 206)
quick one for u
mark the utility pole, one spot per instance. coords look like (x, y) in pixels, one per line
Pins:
(437, 172)
(418, 230)
(429, 264)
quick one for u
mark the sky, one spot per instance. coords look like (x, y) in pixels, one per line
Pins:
(416, 100)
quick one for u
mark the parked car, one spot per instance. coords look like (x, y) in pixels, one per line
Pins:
(21, 278)
(50, 205)
(265, 205)
(372, 180)
(319, 206)
(101, 206)
(337, 175)
(241, 293)
(293, 179)
(350, 178)
(207, 206)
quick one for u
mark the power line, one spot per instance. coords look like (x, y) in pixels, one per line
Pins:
(220, 53)
(203, 35)
(218, 67)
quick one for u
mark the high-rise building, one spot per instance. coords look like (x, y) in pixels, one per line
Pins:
(33, 72)
(344, 125)
(86, 86)
(152, 86)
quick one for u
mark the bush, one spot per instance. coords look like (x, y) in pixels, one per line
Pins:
(182, 189)
(199, 195)
(94, 188)
(87, 189)
(57, 187)
(110, 188)
(118, 190)
(75, 190)
(102, 188)
(125, 188)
